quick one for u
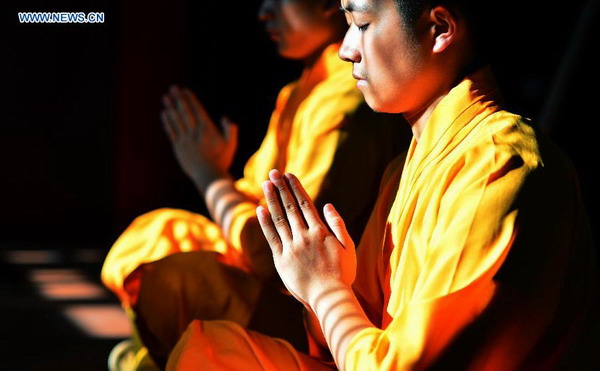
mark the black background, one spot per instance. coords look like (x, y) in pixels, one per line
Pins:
(82, 151)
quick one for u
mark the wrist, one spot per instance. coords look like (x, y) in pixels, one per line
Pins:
(204, 176)
(327, 293)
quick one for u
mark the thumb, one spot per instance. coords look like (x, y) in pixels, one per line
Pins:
(230, 130)
(337, 225)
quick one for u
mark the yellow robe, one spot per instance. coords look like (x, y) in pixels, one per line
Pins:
(477, 256)
(320, 130)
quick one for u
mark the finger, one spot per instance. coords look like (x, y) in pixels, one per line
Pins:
(337, 225)
(268, 228)
(288, 201)
(230, 131)
(277, 215)
(173, 116)
(183, 107)
(169, 129)
(309, 211)
(199, 111)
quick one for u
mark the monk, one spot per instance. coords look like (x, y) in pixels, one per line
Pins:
(478, 252)
(172, 266)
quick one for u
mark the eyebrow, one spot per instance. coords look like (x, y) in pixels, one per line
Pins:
(352, 7)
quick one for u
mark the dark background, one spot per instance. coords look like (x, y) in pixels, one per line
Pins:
(82, 151)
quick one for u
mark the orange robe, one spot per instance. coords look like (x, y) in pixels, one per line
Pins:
(320, 130)
(477, 256)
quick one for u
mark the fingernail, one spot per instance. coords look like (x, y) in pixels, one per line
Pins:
(266, 186)
(274, 174)
(329, 208)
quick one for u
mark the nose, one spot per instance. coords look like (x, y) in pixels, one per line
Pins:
(349, 51)
(265, 10)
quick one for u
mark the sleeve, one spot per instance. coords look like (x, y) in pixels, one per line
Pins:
(470, 234)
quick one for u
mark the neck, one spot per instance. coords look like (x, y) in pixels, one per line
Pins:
(315, 67)
(418, 119)
(310, 60)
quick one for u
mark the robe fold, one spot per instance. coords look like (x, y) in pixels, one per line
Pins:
(477, 255)
(322, 131)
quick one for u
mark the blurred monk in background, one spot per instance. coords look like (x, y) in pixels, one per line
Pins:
(478, 254)
(172, 266)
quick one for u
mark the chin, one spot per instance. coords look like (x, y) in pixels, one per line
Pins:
(282, 49)
(289, 55)
(380, 105)
(287, 52)
(376, 105)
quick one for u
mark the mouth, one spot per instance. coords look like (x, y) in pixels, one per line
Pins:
(357, 77)
(361, 82)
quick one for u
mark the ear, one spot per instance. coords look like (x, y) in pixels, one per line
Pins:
(443, 28)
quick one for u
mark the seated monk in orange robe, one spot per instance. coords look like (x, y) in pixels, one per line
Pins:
(478, 254)
(172, 266)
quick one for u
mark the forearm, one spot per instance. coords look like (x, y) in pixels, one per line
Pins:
(313, 326)
(205, 176)
(341, 318)
(221, 199)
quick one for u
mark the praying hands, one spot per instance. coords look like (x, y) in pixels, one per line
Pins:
(202, 151)
(316, 260)
(309, 257)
